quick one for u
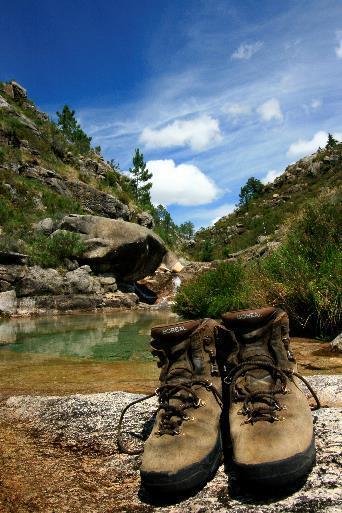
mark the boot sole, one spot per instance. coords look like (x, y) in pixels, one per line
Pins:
(187, 478)
(281, 473)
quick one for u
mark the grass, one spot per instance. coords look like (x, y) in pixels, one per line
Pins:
(23, 202)
(304, 276)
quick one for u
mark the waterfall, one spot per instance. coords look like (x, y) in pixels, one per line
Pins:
(176, 281)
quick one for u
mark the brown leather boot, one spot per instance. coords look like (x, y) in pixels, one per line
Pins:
(184, 447)
(270, 420)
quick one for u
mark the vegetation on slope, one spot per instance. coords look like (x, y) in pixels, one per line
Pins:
(304, 275)
(264, 209)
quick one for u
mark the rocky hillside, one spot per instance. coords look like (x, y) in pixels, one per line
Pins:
(262, 220)
(45, 172)
(71, 233)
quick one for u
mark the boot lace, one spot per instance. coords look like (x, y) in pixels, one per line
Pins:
(172, 415)
(263, 404)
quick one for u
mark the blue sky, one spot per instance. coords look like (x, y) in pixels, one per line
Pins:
(213, 92)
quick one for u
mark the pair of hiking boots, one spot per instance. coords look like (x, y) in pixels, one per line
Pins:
(269, 420)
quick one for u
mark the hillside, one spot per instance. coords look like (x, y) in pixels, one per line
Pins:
(74, 231)
(264, 217)
(43, 175)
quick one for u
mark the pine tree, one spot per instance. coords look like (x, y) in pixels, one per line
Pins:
(332, 142)
(72, 130)
(187, 230)
(249, 191)
(141, 185)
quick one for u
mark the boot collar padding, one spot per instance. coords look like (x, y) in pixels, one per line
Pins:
(247, 320)
(173, 332)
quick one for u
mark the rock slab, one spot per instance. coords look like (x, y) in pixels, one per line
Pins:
(81, 431)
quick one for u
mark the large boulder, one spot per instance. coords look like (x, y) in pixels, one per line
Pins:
(128, 250)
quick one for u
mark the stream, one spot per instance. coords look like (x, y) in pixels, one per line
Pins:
(85, 353)
(101, 352)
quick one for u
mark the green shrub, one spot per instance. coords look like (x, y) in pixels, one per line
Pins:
(304, 276)
(57, 205)
(111, 179)
(224, 288)
(52, 251)
(305, 273)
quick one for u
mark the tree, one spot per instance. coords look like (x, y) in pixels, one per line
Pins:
(72, 130)
(206, 253)
(253, 188)
(141, 185)
(187, 230)
(332, 142)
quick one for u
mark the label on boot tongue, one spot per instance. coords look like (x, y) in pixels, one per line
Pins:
(248, 315)
(173, 329)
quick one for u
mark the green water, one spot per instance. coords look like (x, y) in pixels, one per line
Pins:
(118, 336)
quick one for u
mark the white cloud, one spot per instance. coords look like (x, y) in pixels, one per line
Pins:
(304, 147)
(184, 184)
(246, 51)
(198, 134)
(270, 110)
(315, 104)
(221, 211)
(236, 110)
(271, 176)
(338, 49)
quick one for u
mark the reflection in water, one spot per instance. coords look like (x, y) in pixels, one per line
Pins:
(115, 336)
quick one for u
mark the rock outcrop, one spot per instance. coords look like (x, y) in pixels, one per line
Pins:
(89, 197)
(128, 250)
(26, 291)
(61, 452)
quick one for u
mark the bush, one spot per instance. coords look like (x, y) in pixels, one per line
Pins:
(304, 276)
(305, 273)
(214, 292)
(52, 251)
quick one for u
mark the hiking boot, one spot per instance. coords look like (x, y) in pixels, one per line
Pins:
(184, 447)
(270, 421)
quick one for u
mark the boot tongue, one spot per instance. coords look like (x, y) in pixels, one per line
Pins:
(180, 370)
(251, 351)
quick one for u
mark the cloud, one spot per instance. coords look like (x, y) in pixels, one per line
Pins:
(338, 49)
(221, 211)
(198, 134)
(210, 215)
(184, 184)
(236, 110)
(270, 110)
(271, 176)
(315, 104)
(246, 51)
(305, 147)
